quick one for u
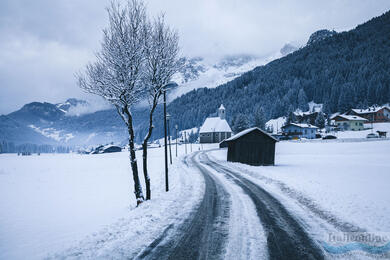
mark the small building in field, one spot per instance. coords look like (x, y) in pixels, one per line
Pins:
(252, 146)
(107, 149)
(375, 114)
(215, 129)
(349, 122)
(294, 130)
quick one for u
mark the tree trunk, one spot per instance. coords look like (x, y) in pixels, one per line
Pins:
(145, 168)
(145, 151)
(133, 160)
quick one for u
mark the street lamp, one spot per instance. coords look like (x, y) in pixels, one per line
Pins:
(167, 86)
(169, 138)
(176, 139)
(165, 141)
(185, 140)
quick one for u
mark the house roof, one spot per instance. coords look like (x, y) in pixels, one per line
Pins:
(221, 107)
(369, 110)
(351, 118)
(246, 131)
(215, 124)
(301, 125)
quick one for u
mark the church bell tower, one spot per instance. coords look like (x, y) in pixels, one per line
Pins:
(221, 112)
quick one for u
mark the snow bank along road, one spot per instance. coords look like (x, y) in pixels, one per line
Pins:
(237, 219)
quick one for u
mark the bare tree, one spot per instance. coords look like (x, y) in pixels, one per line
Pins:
(116, 75)
(161, 48)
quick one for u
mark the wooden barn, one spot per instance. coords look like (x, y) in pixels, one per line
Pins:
(252, 146)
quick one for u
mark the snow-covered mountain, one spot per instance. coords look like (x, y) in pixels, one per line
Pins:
(77, 122)
(199, 72)
(70, 104)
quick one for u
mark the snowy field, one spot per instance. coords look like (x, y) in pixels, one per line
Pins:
(345, 180)
(362, 134)
(59, 205)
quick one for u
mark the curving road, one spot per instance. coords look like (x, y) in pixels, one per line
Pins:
(204, 234)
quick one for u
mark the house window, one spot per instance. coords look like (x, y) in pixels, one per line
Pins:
(355, 123)
(361, 124)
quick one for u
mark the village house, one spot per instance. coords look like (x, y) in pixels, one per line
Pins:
(295, 130)
(349, 122)
(308, 116)
(215, 129)
(373, 114)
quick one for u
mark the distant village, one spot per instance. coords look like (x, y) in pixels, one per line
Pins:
(311, 124)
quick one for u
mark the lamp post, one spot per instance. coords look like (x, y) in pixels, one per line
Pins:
(169, 138)
(185, 140)
(176, 138)
(165, 141)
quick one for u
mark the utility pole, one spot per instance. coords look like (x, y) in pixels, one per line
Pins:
(165, 141)
(185, 140)
(169, 138)
(176, 139)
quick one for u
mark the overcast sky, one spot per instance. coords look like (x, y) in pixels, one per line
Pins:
(44, 42)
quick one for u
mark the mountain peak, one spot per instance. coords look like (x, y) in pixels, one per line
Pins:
(71, 102)
(320, 35)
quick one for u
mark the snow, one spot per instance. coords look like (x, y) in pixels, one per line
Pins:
(313, 107)
(247, 238)
(303, 125)
(52, 133)
(276, 124)
(351, 118)
(244, 132)
(346, 181)
(215, 124)
(373, 109)
(363, 133)
(214, 76)
(64, 205)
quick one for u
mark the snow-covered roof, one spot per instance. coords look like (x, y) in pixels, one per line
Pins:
(369, 110)
(215, 124)
(301, 125)
(246, 131)
(352, 118)
(313, 108)
(221, 107)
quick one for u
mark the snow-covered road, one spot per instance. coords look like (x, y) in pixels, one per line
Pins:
(237, 219)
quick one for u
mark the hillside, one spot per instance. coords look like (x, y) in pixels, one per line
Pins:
(348, 69)
(339, 70)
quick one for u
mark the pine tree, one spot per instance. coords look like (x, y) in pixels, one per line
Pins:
(259, 118)
(241, 123)
(320, 120)
(302, 100)
(291, 118)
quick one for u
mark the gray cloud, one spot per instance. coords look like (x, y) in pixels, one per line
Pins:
(44, 42)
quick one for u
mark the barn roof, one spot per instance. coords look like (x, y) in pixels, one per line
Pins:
(215, 124)
(247, 131)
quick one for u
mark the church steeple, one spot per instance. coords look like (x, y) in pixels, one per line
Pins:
(221, 112)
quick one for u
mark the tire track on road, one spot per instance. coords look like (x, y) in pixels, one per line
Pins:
(286, 238)
(203, 235)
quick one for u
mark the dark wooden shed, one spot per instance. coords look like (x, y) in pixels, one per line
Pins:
(252, 146)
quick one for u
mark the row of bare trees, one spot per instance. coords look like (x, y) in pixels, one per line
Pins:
(137, 60)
